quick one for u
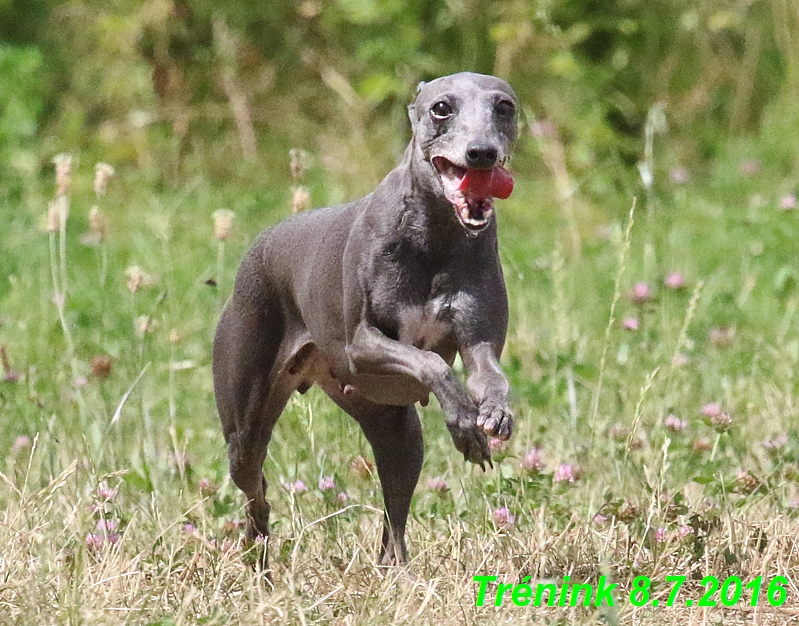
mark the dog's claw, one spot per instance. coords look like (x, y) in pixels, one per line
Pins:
(496, 420)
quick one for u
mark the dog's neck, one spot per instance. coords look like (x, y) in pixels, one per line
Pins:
(422, 219)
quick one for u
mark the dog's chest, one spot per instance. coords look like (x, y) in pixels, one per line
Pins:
(431, 326)
(419, 307)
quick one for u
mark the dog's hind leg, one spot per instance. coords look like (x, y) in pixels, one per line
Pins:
(250, 397)
(395, 434)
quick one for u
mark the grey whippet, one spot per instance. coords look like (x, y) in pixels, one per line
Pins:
(372, 300)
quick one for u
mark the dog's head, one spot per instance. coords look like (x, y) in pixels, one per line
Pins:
(465, 126)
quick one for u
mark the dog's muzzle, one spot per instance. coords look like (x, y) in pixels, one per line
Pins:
(472, 191)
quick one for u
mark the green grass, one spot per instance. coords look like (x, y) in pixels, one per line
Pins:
(646, 500)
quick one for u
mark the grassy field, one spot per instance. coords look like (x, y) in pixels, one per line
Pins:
(652, 352)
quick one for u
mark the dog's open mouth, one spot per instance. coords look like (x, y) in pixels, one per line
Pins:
(472, 191)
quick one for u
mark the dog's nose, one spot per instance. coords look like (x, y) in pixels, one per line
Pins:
(482, 155)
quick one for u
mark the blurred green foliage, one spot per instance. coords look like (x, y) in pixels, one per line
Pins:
(188, 87)
(21, 104)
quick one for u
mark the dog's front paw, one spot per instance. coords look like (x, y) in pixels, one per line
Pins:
(470, 440)
(496, 419)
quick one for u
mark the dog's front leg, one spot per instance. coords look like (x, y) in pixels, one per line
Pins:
(489, 388)
(371, 352)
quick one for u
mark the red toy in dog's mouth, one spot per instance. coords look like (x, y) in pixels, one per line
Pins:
(472, 191)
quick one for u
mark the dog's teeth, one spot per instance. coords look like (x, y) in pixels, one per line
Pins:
(474, 221)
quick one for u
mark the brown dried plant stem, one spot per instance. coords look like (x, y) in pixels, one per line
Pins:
(226, 46)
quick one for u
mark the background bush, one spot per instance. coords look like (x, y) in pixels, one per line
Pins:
(186, 88)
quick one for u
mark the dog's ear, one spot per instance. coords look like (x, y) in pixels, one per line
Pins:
(412, 113)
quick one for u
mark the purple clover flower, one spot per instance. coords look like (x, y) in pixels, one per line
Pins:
(532, 461)
(503, 518)
(630, 323)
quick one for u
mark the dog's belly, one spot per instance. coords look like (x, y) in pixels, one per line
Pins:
(394, 389)
(333, 375)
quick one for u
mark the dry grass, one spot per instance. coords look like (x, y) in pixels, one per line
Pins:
(158, 571)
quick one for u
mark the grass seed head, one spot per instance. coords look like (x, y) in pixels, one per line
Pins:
(143, 324)
(63, 179)
(223, 223)
(138, 278)
(103, 172)
(300, 199)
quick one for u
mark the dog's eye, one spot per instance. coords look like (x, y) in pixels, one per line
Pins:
(441, 111)
(505, 108)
